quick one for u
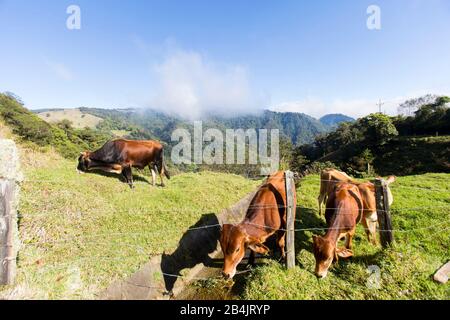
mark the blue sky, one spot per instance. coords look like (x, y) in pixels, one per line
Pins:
(192, 57)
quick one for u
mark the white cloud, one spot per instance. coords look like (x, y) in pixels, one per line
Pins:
(191, 86)
(60, 69)
(310, 106)
(353, 107)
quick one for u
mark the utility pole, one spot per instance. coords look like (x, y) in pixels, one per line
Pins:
(379, 104)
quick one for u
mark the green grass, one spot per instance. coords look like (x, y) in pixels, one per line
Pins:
(422, 245)
(81, 232)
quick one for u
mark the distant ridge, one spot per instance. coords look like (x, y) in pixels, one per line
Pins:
(334, 119)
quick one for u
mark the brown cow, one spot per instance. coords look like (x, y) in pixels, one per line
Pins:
(265, 216)
(120, 155)
(330, 177)
(344, 211)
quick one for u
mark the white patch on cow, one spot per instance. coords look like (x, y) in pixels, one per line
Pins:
(390, 196)
(372, 217)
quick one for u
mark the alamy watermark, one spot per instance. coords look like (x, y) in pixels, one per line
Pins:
(374, 19)
(239, 146)
(73, 21)
(374, 279)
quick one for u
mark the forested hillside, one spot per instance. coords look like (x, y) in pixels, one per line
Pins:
(401, 145)
(299, 128)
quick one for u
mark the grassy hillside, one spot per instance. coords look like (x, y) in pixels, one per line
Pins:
(81, 232)
(79, 120)
(35, 132)
(422, 244)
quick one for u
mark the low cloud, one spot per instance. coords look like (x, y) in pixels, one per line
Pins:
(355, 108)
(191, 86)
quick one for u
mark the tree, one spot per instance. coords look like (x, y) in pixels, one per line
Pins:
(410, 106)
(377, 128)
(65, 125)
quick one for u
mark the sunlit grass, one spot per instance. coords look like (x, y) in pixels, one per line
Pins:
(421, 216)
(81, 232)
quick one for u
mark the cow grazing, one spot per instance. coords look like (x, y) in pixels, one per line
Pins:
(328, 179)
(120, 155)
(331, 177)
(344, 211)
(265, 216)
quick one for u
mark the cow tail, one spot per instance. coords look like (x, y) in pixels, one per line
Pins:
(163, 164)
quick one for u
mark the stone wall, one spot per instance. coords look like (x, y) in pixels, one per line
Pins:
(10, 178)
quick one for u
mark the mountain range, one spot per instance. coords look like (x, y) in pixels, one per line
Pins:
(299, 128)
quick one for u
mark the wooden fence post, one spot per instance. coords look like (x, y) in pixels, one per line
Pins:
(290, 223)
(383, 213)
(9, 191)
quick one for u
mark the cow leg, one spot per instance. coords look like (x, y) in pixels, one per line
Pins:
(370, 225)
(160, 169)
(251, 259)
(366, 228)
(281, 241)
(129, 176)
(321, 199)
(153, 175)
(124, 175)
(349, 238)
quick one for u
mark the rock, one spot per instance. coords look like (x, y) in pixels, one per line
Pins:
(442, 274)
(9, 161)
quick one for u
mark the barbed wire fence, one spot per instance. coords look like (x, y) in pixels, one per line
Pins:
(439, 228)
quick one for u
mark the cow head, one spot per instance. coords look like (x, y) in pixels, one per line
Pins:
(83, 162)
(234, 241)
(389, 180)
(325, 254)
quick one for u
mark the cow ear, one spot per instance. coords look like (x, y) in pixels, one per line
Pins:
(390, 179)
(257, 247)
(345, 253)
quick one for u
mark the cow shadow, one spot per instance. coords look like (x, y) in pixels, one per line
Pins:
(193, 248)
(307, 222)
(120, 177)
